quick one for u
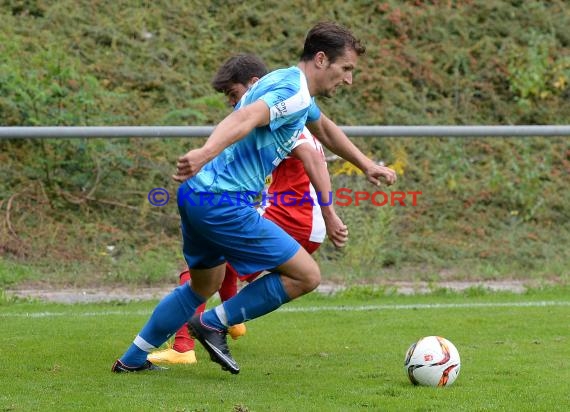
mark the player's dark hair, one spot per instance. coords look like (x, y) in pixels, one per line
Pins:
(332, 39)
(238, 69)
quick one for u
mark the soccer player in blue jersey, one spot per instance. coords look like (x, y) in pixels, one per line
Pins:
(215, 200)
(304, 214)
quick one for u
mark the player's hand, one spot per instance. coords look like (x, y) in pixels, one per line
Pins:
(188, 165)
(377, 175)
(337, 231)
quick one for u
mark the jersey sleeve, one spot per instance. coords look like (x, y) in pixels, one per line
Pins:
(314, 112)
(287, 105)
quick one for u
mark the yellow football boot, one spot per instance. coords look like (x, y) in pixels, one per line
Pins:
(173, 357)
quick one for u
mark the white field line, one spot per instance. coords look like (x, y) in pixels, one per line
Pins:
(309, 309)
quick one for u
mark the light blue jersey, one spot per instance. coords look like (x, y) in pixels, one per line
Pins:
(243, 166)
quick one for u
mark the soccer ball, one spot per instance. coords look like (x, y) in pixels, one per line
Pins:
(432, 361)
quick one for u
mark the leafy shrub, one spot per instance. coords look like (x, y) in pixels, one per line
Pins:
(488, 206)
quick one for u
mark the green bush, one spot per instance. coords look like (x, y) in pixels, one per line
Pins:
(489, 207)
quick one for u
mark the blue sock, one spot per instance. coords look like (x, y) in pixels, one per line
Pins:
(168, 316)
(260, 297)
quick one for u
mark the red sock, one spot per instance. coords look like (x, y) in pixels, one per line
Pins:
(229, 284)
(182, 340)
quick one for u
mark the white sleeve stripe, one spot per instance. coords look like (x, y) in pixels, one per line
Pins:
(290, 106)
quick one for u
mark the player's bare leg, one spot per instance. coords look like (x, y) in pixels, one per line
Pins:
(299, 275)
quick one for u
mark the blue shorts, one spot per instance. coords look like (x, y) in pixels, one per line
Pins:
(225, 227)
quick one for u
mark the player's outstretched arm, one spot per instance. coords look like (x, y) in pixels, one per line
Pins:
(338, 142)
(316, 168)
(233, 128)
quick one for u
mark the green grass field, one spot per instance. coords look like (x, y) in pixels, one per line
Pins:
(321, 353)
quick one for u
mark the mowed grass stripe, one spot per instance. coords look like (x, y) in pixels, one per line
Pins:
(325, 308)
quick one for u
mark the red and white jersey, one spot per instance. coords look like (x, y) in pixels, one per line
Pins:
(301, 219)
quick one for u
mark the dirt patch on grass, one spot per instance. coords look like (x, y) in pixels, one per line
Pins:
(122, 293)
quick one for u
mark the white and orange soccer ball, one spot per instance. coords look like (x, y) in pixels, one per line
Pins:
(432, 361)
